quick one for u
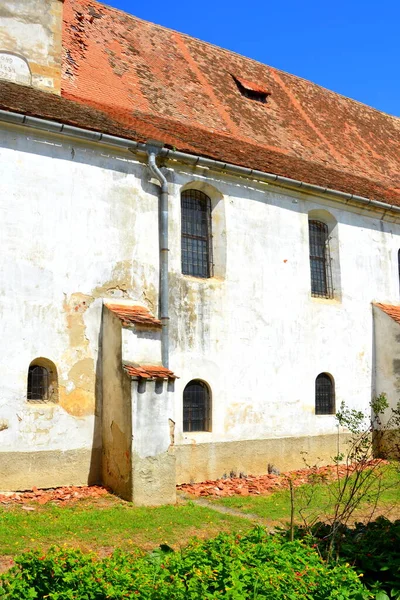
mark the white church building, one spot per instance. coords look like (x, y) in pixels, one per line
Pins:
(199, 256)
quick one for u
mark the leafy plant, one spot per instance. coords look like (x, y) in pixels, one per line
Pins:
(255, 566)
(369, 434)
(373, 549)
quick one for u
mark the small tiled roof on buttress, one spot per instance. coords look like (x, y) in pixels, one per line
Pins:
(149, 372)
(132, 314)
(391, 310)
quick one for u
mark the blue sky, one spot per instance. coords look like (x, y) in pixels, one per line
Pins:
(349, 46)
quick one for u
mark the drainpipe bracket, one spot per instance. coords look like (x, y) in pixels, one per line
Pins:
(154, 147)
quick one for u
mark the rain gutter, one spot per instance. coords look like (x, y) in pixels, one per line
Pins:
(192, 159)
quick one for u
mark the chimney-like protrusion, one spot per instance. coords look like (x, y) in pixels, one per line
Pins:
(30, 43)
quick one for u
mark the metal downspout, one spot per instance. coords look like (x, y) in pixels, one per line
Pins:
(152, 152)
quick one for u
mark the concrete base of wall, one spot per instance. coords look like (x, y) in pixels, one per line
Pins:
(199, 462)
(153, 480)
(23, 470)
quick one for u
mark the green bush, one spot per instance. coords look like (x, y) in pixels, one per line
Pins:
(373, 549)
(253, 566)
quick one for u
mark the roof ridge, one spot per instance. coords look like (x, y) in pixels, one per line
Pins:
(279, 70)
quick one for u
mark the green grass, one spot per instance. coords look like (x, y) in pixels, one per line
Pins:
(107, 523)
(316, 501)
(113, 524)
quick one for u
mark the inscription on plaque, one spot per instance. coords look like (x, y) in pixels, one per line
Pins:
(15, 69)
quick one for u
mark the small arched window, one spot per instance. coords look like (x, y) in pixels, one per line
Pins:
(196, 240)
(324, 395)
(320, 260)
(196, 407)
(42, 381)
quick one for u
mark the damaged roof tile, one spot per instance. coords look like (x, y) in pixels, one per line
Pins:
(133, 315)
(149, 372)
(251, 86)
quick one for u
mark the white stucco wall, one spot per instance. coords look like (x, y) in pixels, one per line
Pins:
(75, 228)
(79, 223)
(141, 345)
(257, 337)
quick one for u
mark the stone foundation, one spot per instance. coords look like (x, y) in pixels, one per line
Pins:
(49, 469)
(199, 462)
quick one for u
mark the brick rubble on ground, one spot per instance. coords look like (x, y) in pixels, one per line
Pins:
(243, 486)
(263, 484)
(62, 494)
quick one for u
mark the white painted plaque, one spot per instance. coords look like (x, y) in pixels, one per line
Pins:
(14, 68)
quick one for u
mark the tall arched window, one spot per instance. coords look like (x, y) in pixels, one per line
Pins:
(42, 381)
(196, 238)
(398, 264)
(196, 406)
(320, 260)
(324, 395)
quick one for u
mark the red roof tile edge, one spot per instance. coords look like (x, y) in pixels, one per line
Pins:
(33, 102)
(132, 314)
(149, 372)
(391, 310)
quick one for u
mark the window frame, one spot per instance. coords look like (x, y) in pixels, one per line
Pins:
(320, 259)
(205, 411)
(320, 395)
(49, 384)
(398, 268)
(196, 234)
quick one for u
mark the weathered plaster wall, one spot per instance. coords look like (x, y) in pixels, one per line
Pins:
(387, 379)
(153, 455)
(79, 224)
(117, 411)
(387, 357)
(259, 339)
(31, 29)
(141, 345)
(75, 228)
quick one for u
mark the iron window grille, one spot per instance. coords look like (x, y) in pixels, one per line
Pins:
(38, 384)
(196, 238)
(320, 260)
(324, 395)
(398, 264)
(196, 407)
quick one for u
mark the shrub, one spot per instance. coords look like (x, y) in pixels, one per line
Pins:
(372, 548)
(255, 566)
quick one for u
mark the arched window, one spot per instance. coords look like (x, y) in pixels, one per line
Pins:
(196, 238)
(320, 261)
(196, 407)
(398, 264)
(324, 395)
(42, 381)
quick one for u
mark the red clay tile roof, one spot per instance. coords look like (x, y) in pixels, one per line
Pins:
(133, 79)
(392, 311)
(133, 315)
(149, 372)
(171, 87)
(36, 103)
